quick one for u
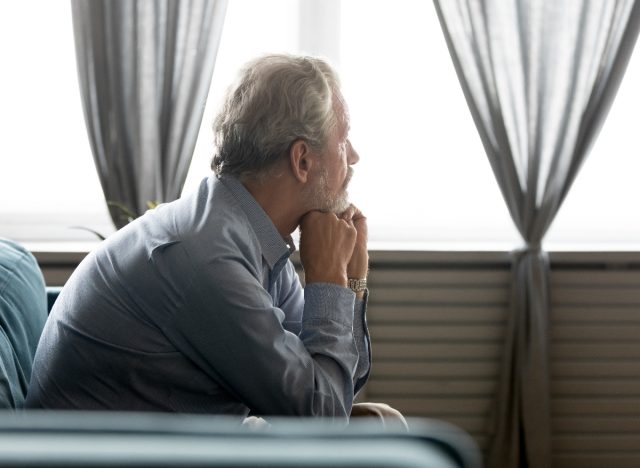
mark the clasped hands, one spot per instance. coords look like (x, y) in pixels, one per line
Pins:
(334, 247)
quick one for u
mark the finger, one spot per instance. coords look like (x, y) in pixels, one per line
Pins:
(357, 214)
(348, 213)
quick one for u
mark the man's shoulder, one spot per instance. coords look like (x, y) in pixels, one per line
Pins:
(218, 216)
(202, 221)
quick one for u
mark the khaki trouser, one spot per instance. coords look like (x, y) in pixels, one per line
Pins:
(381, 414)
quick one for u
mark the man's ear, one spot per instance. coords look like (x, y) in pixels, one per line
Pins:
(301, 160)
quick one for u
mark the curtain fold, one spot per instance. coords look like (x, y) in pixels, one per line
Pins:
(144, 70)
(539, 78)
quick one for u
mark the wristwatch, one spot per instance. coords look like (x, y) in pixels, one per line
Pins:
(357, 284)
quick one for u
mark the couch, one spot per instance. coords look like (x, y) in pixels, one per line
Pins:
(51, 438)
(23, 312)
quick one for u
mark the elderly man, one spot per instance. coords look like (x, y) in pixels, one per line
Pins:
(196, 307)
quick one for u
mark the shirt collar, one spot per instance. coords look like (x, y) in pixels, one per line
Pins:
(273, 246)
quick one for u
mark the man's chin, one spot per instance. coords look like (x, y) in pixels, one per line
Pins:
(325, 203)
(338, 205)
(344, 205)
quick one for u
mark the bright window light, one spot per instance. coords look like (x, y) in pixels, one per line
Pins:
(48, 181)
(423, 176)
(423, 180)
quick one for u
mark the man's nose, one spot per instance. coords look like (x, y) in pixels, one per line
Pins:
(353, 156)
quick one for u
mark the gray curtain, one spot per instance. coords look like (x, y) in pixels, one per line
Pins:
(539, 77)
(144, 70)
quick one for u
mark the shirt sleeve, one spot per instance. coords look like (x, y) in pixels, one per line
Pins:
(229, 326)
(292, 305)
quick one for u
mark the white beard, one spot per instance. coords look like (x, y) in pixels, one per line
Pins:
(322, 200)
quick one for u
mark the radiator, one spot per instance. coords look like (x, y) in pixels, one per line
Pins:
(437, 323)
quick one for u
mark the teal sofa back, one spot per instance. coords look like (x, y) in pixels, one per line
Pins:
(23, 312)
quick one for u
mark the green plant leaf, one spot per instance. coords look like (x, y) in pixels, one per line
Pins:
(96, 233)
(125, 209)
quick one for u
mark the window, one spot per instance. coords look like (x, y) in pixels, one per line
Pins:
(48, 181)
(601, 210)
(47, 178)
(423, 176)
(423, 179)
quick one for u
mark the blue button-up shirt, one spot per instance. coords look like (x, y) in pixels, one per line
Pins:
(196, 307)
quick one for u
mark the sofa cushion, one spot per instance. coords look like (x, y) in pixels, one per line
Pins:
(23, 312)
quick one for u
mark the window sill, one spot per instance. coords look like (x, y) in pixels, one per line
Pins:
(406, 253)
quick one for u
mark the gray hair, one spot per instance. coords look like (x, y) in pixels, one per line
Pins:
(276, 100)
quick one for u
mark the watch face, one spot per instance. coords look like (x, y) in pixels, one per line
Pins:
(357, 285)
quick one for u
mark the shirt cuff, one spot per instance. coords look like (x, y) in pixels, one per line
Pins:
(327, 301)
